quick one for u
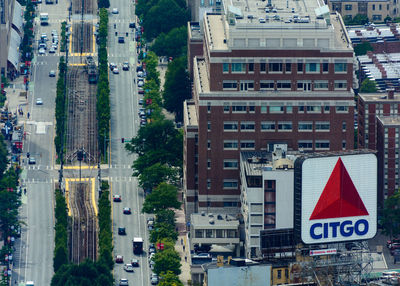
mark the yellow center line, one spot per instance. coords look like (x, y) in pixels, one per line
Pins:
(93, 196)
(70, 39)
(77, 168)
(94, 39)
(67, 196)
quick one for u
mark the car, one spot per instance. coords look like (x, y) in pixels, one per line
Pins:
(119, 259)
(143, 123)
(42, 51)
(30, 283)
(55, 46)
(142, 113)
(140, 74)
(115, 11)
(127, 211)
(152, 250)
(132, 25)
(117, 198)
(121, 231)
(112, 66)
(52, 73)
(135, 263)
(154, 280)
(140, 90)
(52, 50)
(54, 32)
(55, 41)
(115, 70)
(128, 267)
(123, 282)
(43, 36)
(125, 66)
(31, 161)
(121, 40)
(141, 101)
(140, 83)
(39, 101)
(43, 46)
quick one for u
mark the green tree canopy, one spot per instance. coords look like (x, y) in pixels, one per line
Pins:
(368, 86)
(155, 174)
(163, 230)
(363, 48)
(391, 216)
(167, 260)
(169, 279)
(162, 197)
(176, 87)
(172, 44)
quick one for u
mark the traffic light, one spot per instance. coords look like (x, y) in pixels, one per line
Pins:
(122, 140)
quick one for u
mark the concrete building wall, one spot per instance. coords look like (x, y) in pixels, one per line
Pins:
(6, 9)
(256, 275)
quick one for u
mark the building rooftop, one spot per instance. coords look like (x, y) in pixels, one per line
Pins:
(203, 220)
(265, 20)
(191, 113)
(379, 97)
(389, 121)
(195, 31)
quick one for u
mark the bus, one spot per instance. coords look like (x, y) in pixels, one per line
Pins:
(44, 19)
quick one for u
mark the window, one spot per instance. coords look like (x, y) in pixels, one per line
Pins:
(219, 233)
(301, 108)
(231, 233)
(238, 67)
(275, 67)
(322, 126)
(266, 84)
(226, 107)
(252, 108)
(230, 126)
(288, 67)
(285, 126)
(208, 163)
(325, 67)
(230, 144)
(377, 17)
(321, 84)
(344, 126)
(247, 126)
(340, 84)
(230, 184)
(305, 144)
(305, 126)
(300, 67)
(348, 7)
(208, 107)
(283, 84)
(279, 274)
(225, 68)
(209, 233)
(276, 109)
(208, 125)
(267, 126)
(230, 204)
(340, 67)
(373, 6)
(230, 164)
(344, 144)
(263, 109)
(289, 109)
(322, 145)
(199, 233)
(251, 67)
(312, 67)
(327, 108)
(239, 108)
(208, 183)
(229, 84)
(380, 6)
(313, 109)
(263, 67)
(247, 145)
(208, 144)
(342, 109)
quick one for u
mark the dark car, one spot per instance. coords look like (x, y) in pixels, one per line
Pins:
(132, 25)
(121, 40)
(135, 262)
(121, 231)
(127, 211)
(117, 198)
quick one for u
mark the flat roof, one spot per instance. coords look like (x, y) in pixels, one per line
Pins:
(255, 162)
(379, 97)
(388, 121)
(191, 113)
(198, 220)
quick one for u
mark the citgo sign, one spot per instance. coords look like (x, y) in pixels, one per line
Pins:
(338, 198)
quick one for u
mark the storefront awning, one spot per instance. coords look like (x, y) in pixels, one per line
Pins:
(222, 248)
(18, 17)
(13, 49)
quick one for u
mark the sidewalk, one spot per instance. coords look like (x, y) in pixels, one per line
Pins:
(15, 101)
(182, 247)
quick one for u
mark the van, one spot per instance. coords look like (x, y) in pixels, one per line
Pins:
(30, 283)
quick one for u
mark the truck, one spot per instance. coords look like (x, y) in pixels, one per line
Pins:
(137, 245)
(44, 19)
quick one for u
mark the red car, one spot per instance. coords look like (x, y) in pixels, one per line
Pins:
(119, 259)
(117, 198)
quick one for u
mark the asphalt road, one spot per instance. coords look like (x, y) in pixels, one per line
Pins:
(33, 259)
(124, 124)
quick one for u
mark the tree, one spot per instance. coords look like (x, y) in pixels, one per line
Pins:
(363, 48)
(154, 175)
(3, 156)
(176, 87)
(163, 230)
(167, 260)
(162, 197)
(166, 216)
(172, 44)
(368, 86)
(60, 258)
(169, 279)
(391, 216)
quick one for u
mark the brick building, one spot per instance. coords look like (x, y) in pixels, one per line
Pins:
(281, 73)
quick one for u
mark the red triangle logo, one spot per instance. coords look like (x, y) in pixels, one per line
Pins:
(340, 197)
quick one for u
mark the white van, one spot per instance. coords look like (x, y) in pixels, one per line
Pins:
(30, 283)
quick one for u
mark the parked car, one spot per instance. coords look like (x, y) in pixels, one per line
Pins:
(42, 51)
(117, 198)
(123, 282)
(128, 267)
(125, 66)
(52, 50)
(121, 231)
(140, 90)
(112, 66)
(119, 259)
(32, 161)
(127, 211)
(141, 100)
(140, 83)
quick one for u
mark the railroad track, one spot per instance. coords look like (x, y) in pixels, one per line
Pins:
(83, 235)
(87, 43)
(88, 6)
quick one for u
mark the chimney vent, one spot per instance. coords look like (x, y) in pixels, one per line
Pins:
(391, 93)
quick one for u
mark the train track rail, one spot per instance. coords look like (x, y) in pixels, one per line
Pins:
(81, 132)
(85, 46)
(83, 234)
(88, 6)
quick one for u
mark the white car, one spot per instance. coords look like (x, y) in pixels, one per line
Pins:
(39, 101)
(115, 70)
(42, 51)
(128, 267)
(115, 11)
(140, 83)
(52, 50)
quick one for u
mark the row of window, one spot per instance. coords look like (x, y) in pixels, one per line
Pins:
(349, 7)
(272, 126)
(284, 67)
(281, 108)
(284, 85)
(216, 233)
(250, 145)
